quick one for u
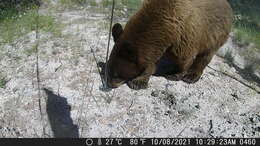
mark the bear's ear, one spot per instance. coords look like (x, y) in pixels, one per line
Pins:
(117, 30)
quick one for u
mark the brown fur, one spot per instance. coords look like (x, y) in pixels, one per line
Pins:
(186, 33)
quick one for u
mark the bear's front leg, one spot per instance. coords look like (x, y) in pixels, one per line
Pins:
(138, 83)
(141, 82)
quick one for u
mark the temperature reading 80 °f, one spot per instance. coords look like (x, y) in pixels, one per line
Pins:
(135, 141)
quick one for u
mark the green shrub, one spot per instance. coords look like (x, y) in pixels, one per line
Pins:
(3, 82)
(18, 25)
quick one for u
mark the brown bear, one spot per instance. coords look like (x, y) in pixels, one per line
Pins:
(171, 38)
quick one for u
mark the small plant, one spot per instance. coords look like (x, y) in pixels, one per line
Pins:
(228, 56)
(30, 51)
(3, 82)
(93, 3)
(106, 3)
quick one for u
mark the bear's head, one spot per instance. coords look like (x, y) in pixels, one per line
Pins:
(122, 65)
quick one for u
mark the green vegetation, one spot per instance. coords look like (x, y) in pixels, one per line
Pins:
(9, 8)
(247, 22)
(18, 25)
(246, 30)
(247, 35)
(16, 22)
(3, 82)
(72, 3)
(31, 50)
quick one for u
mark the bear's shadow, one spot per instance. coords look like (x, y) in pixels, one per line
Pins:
(59, 116)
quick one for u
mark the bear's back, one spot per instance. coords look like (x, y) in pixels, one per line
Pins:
(216, 17)
(190, 25)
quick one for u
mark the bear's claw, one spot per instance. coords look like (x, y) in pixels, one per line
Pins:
(191, 78)
(175, 77)
(137, 84)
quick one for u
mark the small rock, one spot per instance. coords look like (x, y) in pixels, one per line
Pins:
(257, 129)
(229, 122)
(244, 114)
(164, 92)
(197, 106)
(234, 95)
(251, 119)
(167, 113)
(155, 93)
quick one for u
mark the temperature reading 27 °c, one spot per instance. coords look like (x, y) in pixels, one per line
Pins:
(111, 141)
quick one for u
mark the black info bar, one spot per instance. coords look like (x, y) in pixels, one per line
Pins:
(130, 141)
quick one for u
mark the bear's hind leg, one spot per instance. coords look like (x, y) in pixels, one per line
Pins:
(182, 66)
(196, 69)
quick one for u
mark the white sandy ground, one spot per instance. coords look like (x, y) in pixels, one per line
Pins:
(73, 104)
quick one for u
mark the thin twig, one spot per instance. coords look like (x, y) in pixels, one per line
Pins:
(210, 128)
(85, 94)
(226, 74)
(99, 71)
(37, 69)
(109, 38)
(132, 102)
(181, 131)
